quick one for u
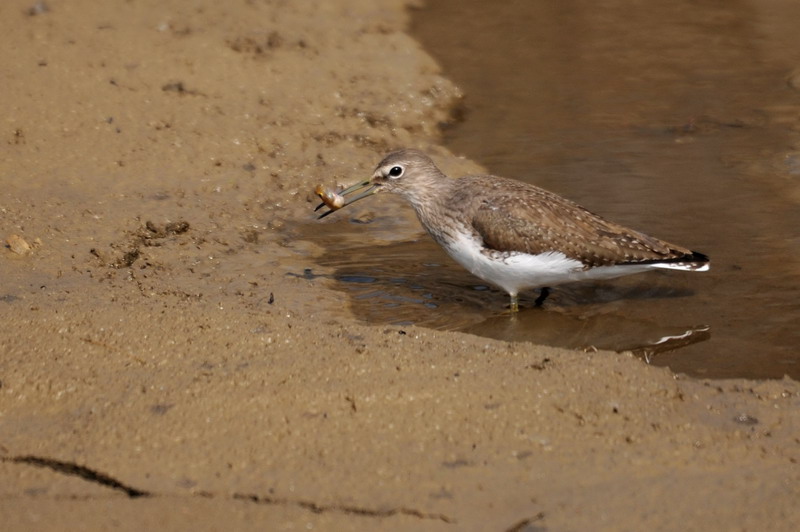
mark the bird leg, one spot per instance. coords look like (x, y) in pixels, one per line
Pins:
(543, 293)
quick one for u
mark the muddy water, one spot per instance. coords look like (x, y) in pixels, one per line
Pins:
(675, 118)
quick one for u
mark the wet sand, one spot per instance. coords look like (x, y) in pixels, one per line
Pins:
(167, 360)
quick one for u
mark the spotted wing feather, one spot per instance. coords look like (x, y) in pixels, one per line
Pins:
(521, 217)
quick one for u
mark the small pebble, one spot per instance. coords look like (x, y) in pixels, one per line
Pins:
(363, 218)
(745, 419)
(18, 245)
(38, 8)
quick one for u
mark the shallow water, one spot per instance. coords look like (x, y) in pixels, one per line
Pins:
(672, 118)
(415, 282)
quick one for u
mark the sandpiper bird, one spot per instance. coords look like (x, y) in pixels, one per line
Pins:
(512, 234)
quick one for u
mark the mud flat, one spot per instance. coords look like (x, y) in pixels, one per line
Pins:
(167, 360)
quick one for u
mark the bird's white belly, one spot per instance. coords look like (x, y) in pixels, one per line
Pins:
(517, 271)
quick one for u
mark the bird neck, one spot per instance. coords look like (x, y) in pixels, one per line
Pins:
(433, 206)
(428, 190)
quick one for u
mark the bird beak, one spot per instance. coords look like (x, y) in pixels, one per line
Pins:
(367, 188)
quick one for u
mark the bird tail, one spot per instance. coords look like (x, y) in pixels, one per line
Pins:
(690, 262)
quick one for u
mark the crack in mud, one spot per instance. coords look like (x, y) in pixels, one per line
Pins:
(527, 524)
(353, 510)
(91, 475)
(72, 469)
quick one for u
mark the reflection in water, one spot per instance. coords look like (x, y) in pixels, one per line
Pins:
(414, 282)
(604, 331)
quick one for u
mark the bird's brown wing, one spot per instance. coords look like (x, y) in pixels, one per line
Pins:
(539, 221)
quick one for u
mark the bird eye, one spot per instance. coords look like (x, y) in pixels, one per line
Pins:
(396, 171)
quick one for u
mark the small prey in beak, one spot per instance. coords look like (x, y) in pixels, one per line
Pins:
(336, 200)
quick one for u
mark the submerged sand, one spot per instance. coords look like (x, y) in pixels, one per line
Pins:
(166, 363)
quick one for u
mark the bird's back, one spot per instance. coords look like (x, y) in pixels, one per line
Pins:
(512, 216)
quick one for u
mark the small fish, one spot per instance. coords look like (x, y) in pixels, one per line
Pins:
(333, 200)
